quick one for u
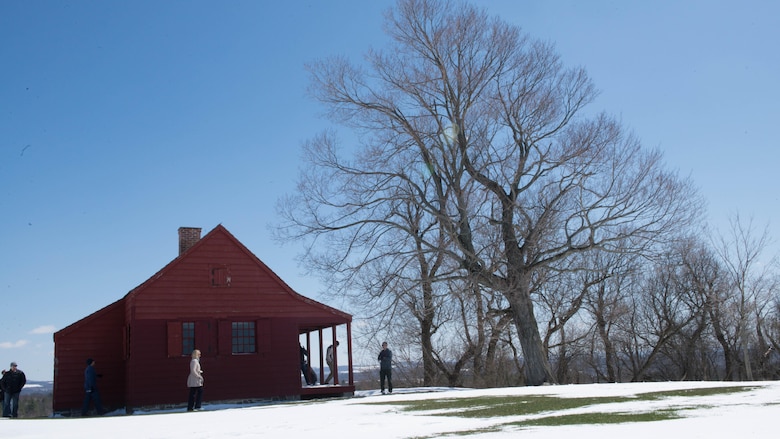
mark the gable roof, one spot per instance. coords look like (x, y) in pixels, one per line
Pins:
(219, 229)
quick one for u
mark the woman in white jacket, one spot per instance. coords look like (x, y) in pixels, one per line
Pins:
(195, 382)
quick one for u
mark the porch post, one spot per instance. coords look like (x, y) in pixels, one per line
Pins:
(349, 353)
(322, 357)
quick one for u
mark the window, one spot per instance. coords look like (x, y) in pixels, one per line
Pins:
(220, 276)
(243, 337)
(187, 338)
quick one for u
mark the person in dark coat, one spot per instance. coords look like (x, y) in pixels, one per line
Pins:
(305, 366)
(90, 389)
(385, 359)
(12, 384)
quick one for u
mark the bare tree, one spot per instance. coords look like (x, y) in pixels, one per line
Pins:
(701, 278)
(608, 287)
(382, 247)
(559, 295)
(772, 333)
(498, 124)
(751, 288)
(663, 312)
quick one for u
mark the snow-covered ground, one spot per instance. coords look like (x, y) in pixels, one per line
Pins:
(730, 415)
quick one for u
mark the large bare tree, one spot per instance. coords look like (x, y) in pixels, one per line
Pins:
(486, 129)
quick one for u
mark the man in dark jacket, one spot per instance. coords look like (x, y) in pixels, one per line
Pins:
(385, 359)
(12, 383)
(308, 374)
(90, 389)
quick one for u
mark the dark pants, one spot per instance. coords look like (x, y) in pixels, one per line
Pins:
(11, 405)
(386, 373)
(93, 396)
(193, 402)
(305, 370)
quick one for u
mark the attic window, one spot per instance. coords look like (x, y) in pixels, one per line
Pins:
(220, 276)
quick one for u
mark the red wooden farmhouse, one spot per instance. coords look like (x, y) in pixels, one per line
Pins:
(218, 297)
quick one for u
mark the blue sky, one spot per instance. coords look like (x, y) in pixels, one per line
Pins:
(122, 121)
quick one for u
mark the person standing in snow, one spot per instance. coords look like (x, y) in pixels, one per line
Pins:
(12, 383)
(90, 389)
(385, 359)
(195, 382)
(330, 359)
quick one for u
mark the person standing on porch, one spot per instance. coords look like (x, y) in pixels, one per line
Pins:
(329, 358)
(308, 374)
(195, 382)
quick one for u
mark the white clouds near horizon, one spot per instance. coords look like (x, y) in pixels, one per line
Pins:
(45, 329)
(13, 344)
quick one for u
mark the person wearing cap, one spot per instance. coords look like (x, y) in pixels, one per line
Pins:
(91, 393)
(12, 383)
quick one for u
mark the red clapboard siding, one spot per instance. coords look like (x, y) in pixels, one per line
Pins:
(216, 281)
(99, 336)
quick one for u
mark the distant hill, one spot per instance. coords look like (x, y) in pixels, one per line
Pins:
(38, 387)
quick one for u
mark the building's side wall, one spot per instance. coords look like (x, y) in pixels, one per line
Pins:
(160, 379)
(101, 337)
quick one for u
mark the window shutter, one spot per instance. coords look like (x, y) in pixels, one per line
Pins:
(263, 335)
(174, 339)
(224, 333)
(220, 276)
(206, 337)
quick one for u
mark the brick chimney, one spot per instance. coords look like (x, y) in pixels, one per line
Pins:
(188, 236)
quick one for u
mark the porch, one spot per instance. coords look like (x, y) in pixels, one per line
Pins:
(317, 339)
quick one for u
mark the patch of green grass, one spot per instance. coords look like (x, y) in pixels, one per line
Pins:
(574, 419)
(545, 407)
(497, 406)
(695, 392)
(600, 418)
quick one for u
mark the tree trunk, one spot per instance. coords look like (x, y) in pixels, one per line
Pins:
(728, 357)
(537, 365)
(429, 364)
(609, 349)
